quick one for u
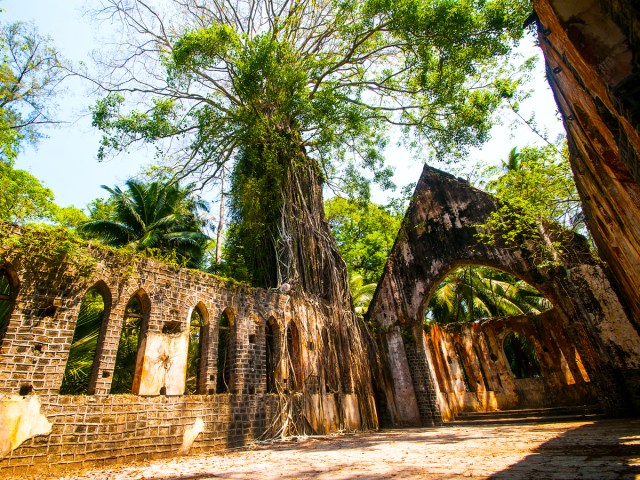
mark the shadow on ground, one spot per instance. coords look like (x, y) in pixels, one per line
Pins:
(602, 450)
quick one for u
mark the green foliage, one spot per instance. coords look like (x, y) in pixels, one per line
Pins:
(471, 293)
(43, 247)
(23, 198)
(102, 209)
(365, 233)
(196, 329)
(538, 199)
(83, 346)
(6, 298)
(521, 356)
(31, 71)
(290, 90)
(150, 217)
(70, 217)
(128, 344)
(361, 294)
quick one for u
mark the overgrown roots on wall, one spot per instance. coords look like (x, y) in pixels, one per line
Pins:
(324, 381)
(279, 234)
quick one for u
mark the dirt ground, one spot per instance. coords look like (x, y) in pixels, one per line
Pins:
(604, 449)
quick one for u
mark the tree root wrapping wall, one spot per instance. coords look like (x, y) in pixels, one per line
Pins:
(592, 49)
(439, 234)
(312, 381)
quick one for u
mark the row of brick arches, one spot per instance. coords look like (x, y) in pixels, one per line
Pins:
(206, 343)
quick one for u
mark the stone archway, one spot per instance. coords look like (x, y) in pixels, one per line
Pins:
(439, 233)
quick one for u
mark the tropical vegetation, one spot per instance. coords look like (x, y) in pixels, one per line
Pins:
(538, 200)
(83, 345)
(153, 216)
(364, 233)
(298, 94)
(472, 293)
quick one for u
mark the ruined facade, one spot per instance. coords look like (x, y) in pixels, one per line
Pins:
(476, 371)
(438, 234)
(298, 385)
(284, 354)
(592, 49)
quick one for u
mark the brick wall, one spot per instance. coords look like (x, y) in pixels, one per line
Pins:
(48, 290)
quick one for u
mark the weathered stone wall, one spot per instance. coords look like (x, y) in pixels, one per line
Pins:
(492, 385)
(438, 234)
(592, 51)
(48, 284)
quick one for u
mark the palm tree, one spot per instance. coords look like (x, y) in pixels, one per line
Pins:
(83, 346)
(513, 162)
(153, 216)
(470, 293)
(361, 294)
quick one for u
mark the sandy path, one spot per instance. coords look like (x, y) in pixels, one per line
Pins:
(606, 449)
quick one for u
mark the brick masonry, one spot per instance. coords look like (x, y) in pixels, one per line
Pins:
(103, 428)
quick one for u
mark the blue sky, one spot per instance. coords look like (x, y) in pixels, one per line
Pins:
(66, 161)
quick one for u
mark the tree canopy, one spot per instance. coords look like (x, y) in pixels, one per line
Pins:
(365, 233)
(223, 74)
(297, 93)
(538, 198)
(23, 198)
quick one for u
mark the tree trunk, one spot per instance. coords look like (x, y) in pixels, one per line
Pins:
(278, 212)
(280, 228)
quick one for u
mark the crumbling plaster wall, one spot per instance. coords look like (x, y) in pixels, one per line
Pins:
(109, 428)
(592, 52)
(564, 380)
(439, 233)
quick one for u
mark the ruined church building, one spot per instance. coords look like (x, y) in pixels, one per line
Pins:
(270, 361)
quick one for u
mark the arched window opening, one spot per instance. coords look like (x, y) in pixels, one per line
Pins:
(521, 356)
(135, 319)
(294, 380)
(225, 353)
(463, 368)
(271, 344)
(195, 354)
(82, 353)
(471, 293)
(6, 301)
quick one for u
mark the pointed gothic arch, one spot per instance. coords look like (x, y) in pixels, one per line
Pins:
(226, 352)
(440, 233)
(9, 285)
(272, 354)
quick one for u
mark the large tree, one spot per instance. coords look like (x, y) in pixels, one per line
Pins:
(296, 93)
